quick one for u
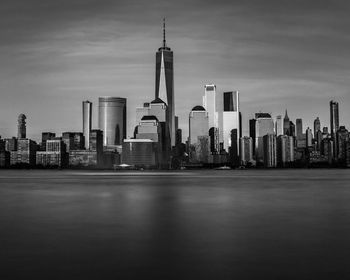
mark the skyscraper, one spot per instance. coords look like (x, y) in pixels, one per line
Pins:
(299, 127)
(308, 138)
(230, 117)
(21, 133)
(246, 150)
(270, 150)
(209, 104)
(112, 119)
(334, 121)
(198, 124)
(285, 150)
(87, 120)
(317, 125)
(286, 125)
(165, 82)
(279, 125)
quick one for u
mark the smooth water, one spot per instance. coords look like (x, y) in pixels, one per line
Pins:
(247, 224)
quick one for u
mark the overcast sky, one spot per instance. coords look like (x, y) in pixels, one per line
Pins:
(279, 54)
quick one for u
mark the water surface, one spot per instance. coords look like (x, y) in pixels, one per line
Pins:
(247, 224)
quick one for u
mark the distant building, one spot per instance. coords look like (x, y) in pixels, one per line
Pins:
(279, 125)
(230, 117)
(112, 119)
(26, 153)
(246, 150)
(317, 125)
(198, 126)
(270, 152)
(264, 125)
(142, 111)
(299, 127)
(21, 134)
(285, 150)
(73, 140)
(214, 140)
(209, 104)
(291, 129)
(234, 149)
(55, 154)
(252, 132)
(83, 158)
(334, 121)
(11, 144)
(44, 137)
(87, 122)
(309, 137)
(327, 149)
(286, 125)
(342, 139)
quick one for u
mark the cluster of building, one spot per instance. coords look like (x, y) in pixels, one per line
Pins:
(215, 135)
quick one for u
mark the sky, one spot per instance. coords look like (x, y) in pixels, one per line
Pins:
(278, 54)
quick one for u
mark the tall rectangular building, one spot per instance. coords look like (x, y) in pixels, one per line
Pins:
(209, 104)
(246, 150)
(270, 151)
(264, 125)
(299, 127)
(279, 125)
(230, 117)
(334, 121)
(87, 122)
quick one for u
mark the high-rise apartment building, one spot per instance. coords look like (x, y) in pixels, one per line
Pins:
(112, 119)
(230, 117)
(209, 104)
(21, 133)
(87, 122)
(165, 83)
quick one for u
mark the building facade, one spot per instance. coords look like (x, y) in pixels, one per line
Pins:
(230, 117)
(87, 122)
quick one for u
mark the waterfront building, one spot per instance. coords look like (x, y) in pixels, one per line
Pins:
(270, 150)
(21, 133)
(96, 144)
(334, 121)
(246, 150)
(299, 127)
(264, 125)
(164, 88)
(112, 119)
(230, 117)
(347, 149)
(87, 122)
(140, 153)
(327, 146)
(279, 125)
(286, 125)
(4, 159)
(83, 158)
(301, 141)
(209, 104)
(285, 150)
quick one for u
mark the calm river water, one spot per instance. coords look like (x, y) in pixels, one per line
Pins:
(247, 224)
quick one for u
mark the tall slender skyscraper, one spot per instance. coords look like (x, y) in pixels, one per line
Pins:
(209, 104)
(279, 125)
(165, 82)
(87, 119)
(317, 125)
(21, 133)
(112, 119)
(334, 121)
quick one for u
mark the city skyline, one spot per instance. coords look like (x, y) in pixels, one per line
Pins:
(277, 59)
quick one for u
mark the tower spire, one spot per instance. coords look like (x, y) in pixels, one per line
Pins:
(164, 41)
